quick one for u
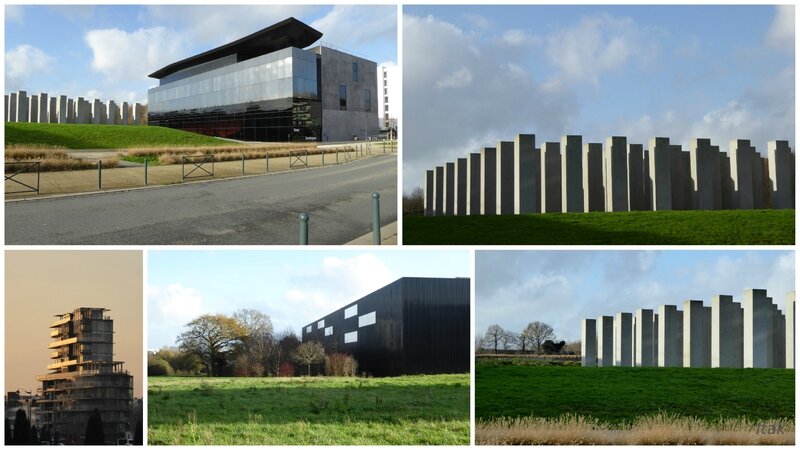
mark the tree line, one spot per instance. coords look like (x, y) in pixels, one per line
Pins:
(26, 434)
(537, 337)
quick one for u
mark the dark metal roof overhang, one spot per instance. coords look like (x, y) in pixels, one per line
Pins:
(286, 33)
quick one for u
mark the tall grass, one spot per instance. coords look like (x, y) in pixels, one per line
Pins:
(174, 155)
(51, 159)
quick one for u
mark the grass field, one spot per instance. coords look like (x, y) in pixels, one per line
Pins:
(431, 409)
(75, 136)
(732, 227)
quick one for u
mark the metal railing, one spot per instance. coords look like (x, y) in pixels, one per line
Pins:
(199, 164)
(25, 166)
(298, 158)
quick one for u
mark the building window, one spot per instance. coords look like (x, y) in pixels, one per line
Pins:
(321, 324)
(366, 319)
(343, 97)
(355, 71)
(367, 100)
(386, 116)
(329, 331)
(385, 91)
(385, 107)
(351, 311)
(351, 337)
(308, 329)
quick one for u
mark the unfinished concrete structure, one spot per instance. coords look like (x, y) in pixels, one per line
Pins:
(85, 377)
(753, 334)
(569, 176)
(62, 109)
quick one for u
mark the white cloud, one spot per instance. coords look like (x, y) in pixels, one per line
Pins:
(460, 78)
(781, 31)
(24, 62)
(357, 25)
(15, 13)
(169, 308)
(517, 37)
(130, 56)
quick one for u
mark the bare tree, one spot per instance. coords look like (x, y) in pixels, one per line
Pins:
(538, 332)
(525, 339)
(493, 337)
(309, 353)
(509, 339)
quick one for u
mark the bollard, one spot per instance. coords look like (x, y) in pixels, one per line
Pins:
(303, 229)
(99, 174)
(145, 171)
(242, 163)
(376, 219)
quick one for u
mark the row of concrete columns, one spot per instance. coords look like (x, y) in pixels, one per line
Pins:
(753, 333)
(568, 176)
(41, 108)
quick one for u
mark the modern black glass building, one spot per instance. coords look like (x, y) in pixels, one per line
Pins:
(411, 326)
(266, 87)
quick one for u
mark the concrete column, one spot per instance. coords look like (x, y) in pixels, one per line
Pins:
(758, 342)
(588, 343)
(61, 109)
(696, 334)
(449, 188)
(593, 192)
(605, 341)
(12, 107)
(670, 336)
(716, 174)
(778, 338)
(551, 177)
(703, 160)
(96, 112)
(113, 113)
(34, 109)
(644, 338)
(615, 170)
(51, 110)
(474, 184)
(780, 175)
(488, 181)
(5, 111)
(636, 177)
(757, 166)
(742, 173)
(571, 174)
(139, 111)
(70, 111)
(504, 177)
(647, 181)
(461, 187)
(726, 332)
(726, 181)
(655, 339)
(126, 113)
(22, 106)
(44, 103)
(623, 342)
(428, 193)
(82, 111)
(438, 191)
(661, 173)
(790, 330)
(527, 175)
(681, 179)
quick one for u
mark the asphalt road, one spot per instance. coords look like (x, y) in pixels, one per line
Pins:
(255, 210)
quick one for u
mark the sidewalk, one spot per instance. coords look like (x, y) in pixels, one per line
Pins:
(388, 236)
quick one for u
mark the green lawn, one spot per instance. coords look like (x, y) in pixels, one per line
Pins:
(408, 410)
(616, 395)
(75, 136)
(730, 227)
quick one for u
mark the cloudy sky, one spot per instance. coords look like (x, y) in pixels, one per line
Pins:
(474, 75)
(292, 287)
(513, 288)
(107, 52)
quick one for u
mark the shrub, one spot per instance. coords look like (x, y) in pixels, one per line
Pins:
(414, 204)
(286, 369)
(340, 365)
(158, 367)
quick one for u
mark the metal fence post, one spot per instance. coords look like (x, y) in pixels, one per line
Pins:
(99, 174)
(242, 163)
(323, 157)
(266, 160)
(376, 218)
(303, 229)
(337, 155)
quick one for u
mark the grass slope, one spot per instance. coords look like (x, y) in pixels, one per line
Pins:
(426, 409)
(76, 136)
(735, 227)
(617, 395)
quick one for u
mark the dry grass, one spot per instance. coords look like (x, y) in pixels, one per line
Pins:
(173, 155)
(660, 429)
(51, 159)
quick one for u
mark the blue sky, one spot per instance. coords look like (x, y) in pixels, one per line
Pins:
(292, 287)
(474, 75)
(513, 288)
(106, 52)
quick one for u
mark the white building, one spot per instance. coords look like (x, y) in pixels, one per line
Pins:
(389, 98)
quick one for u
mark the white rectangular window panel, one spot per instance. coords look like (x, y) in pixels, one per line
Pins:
(321, 324)
(351, 311)
(351, 337)
(329, 331)
(308, 329)
(366, 319)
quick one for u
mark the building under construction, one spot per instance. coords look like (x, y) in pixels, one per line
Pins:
(85, 377)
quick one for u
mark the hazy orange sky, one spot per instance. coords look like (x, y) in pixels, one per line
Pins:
(41, 284)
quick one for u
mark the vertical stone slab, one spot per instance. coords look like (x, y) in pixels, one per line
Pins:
(428, 194)
(623, 342)
(726, 332)
(571, 174)
(742, 173)
(61, 109)
(504, 177)
(789, 330)
(488, 181)
(647, 181)
(551, 177)
(702, 157)
(696, 334)
(44, 103)
(5, 110)
(605, 341)
(449, 188)
(716, 174)
(139, 112)
(438, 191)
(474, 184)
(34, 109)
(593, 191)
(758, 179)
(22, 106)
(660, 159)
(70, 111)
(588, 343)
(51, 110)
(461, 187)
(670, 336)
(82, 114)
(636, 177)
(113, 112)
(758, 343)
(126, 113)
(96, 114)
(726, 181)
(780, 174)
(527, 175)
(644, 356)
(680, 177)
(778, 338)
(655, 339)
(615, 167)
(12, 107)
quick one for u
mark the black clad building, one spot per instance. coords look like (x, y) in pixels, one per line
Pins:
(411, 326)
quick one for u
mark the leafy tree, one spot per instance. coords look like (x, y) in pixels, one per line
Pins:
(212, 337)
(494, 335)
(34, 435)
(309, 353)
(537, 333)
(254, 323)
(9, 438)
(94, 429)
(22, 428)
